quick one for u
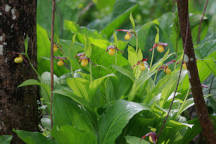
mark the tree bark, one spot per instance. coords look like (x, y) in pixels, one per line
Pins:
(190, 59)
(18, 106)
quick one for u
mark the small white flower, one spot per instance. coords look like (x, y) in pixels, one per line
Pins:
(186, 59)
(1, 49)
(7, 8)
(14, 17)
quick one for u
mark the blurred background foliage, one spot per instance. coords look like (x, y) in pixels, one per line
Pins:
(105, 16)
(99, 14)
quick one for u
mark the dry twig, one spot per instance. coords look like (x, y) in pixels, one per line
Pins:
(51, 61)
(201, 20)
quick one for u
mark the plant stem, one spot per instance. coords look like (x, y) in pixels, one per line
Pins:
(155, 78)
(201, 20)
(116, 58)
(26, 55)
(170, 107)
(90, 69)
(51, 61)
(137, 42)
(152, 58)
(180, 108)
(178, 81)
(210, 87)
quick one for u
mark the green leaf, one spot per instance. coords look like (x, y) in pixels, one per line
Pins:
(190, 133)
(43, 49)
(204, 70)
(176, 123)
(69, 93)
(211, 27)
(108, 30)
(169, 31)
(211, 65)
(161, 61)
(45, 91)
(67, 112)
(105, 4)
(29, 82)
(101, 57)
(121, 6)
(70, 51)
(166, 86)
(122, 85)
(96, 99)
(124, 71)
(33, 137)
(72, 26)
(206, 47)
(109, 90)
(144, 39)
(187, 104)
(195, 19)
(86, 90)
(132, 21)
(115, 38)
(144, 77)
(96, 83)
(116, 118)
(133, 57)
(26, 45)
(135, 140)
(71, 135)
(5, 139)
(79, 86)
(157, 37)
(87, 48)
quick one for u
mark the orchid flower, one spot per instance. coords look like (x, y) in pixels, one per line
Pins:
(160, 47)
(152, 137)
(128, 34)
(83, 59)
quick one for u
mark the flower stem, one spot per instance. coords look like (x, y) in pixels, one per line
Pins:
(137, 42)
(90, 68)
(26, 55)
(115, 58)
(152, 58)
(155, 77)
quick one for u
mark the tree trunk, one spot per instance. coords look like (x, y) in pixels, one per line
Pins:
(190, 59)
(18, 106)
